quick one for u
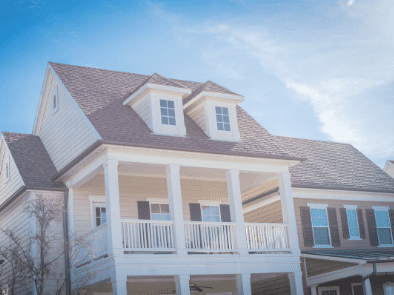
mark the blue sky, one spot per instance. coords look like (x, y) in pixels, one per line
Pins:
(311, 69)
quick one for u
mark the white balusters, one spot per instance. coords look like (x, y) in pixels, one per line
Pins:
(267, 236)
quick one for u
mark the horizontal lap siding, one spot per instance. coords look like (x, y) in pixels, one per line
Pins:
(345, 243)
(275, 286)
(14, 183)
(271, 213)
(316, 267)
(198, 116)
(266, 187)
(65, 134)
(142, 109)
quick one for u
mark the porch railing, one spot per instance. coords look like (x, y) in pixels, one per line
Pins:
(210, 236)
(148, 235)
(92, 245)
(267, 237)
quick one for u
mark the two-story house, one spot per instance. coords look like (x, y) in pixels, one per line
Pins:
(178, 189)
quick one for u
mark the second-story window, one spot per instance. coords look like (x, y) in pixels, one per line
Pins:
(167, 110)
(352, 220)
(210, 213)
(222, 118)
(160, 212)
(383, 227)
(100, 214)
(321, 232)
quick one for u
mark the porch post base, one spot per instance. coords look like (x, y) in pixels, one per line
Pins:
(313, 290)
(296, 287)
(182, 285)
(243, 284)
(367, 287)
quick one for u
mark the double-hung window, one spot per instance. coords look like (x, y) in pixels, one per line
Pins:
(210, 213)
(321, 231)
(160, 212)
(383, 226)
(167, 110)
(222, 118)
(351, 212)
(100, 214)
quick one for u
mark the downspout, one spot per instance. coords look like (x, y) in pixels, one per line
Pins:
(66, 244)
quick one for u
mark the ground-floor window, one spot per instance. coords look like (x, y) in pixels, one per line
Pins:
(357, 288)
(389, 289)
(329, 291)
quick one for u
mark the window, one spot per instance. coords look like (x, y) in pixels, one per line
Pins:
(160, 212)
(210, 213)
(100, 214)
(329, 291)
(352, 222)
(167, 110)
(383, 226)
(388, 289)
(222, 118)
(321, 231)
(357, 289)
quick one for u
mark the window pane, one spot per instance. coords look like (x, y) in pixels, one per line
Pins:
(321, 236)
(163, 111)
(206, 218)
(170, 104)
(220, 126)
(98, 221)
(382, 218)
(226, 119)
(214, 210)
(166, 216)
(155, 208)
(172, 121)
(215, 218)
(225, 111)
(155, 216)
(171, 113)
(98, 212)
(384, 235)
(164, 120)
(206, 211)
(163, 103)
(227, 127)
(219, 118)
(319, 217)
(354, 232)
(165, 208)
(218, 110)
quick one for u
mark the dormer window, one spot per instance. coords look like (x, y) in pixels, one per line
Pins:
(167, 110)
(54, 101)
(222, 118)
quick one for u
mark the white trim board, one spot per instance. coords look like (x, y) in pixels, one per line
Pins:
(274, 197)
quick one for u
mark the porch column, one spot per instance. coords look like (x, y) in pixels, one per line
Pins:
(182, 284)
(114, 230)
(367, 287)
(313, 290)
(175, 204)
(287, 202)
(296, 287)
(243, 284)
(119, 285)
(235, 202)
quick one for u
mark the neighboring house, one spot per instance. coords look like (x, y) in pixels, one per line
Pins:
(389, 168)
(180, 190)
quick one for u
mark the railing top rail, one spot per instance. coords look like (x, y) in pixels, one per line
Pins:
(206, 222)
(266, 224)
(147, 221)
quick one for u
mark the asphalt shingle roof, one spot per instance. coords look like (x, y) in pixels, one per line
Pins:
(333, 165)
(32, 160)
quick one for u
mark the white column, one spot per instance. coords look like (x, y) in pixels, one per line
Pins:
(175, 204)
(367, 287)
(296, 287)
(313, 290)
(243, 284)
(182, 285)
(119, 285)
(286, 197)
(235, 202)
(114, 229)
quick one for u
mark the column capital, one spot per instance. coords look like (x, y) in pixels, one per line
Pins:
(173, 167)
(110, 162)
(234, 172)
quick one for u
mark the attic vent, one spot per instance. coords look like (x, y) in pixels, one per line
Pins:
(55, 101)
(7, 169)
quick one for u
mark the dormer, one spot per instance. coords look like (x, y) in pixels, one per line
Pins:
(213, 108)
(159, 102)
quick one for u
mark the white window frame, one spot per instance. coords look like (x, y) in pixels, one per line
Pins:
(96, 201)
(161, 122)
(320, 206)
(55, 94)
(228, 115)
(331, 288)
(388, 284)
(210, 203)
(353, 207)
(159, 201)
(355, 284)
(7, 169)
(383, 208)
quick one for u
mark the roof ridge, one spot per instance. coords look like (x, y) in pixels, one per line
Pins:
(168, 80)
(17, 133)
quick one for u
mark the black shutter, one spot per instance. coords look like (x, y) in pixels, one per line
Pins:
(334, 229)
(345, 224)
(225, 213)
(307, 230)
(195, 212)
(391, 214)
(373, 233)
(143, 210)
(361, 226)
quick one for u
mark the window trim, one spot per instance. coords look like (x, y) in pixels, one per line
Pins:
(388, 284)
(353, 207)
(95, 201)
(384, 208)
(216, 119)
(55, 93)
(355, 284)
(161, 122)
(320, 206)
(331, 288)
(210, 203)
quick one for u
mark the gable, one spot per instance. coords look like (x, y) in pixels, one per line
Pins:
(15, 182)
(65, 132)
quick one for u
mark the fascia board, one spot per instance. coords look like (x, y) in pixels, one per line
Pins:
(40, 107)
(235, 98)
(387, 165)
(134, 95)
(348, 195)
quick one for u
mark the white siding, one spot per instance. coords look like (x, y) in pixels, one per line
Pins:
(14, 183)
(66, 133)
(198, 116)
(142, 109)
